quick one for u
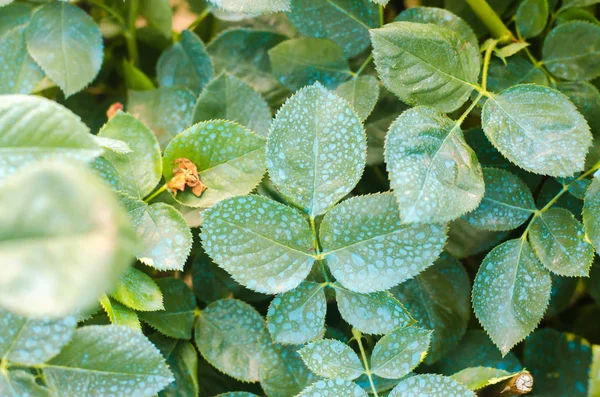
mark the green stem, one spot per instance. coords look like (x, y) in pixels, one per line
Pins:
(200, 18)
(364, 65)
(381, 19)
(535, 61)
(486, 63)
(130, 34)
(109, 10)
(491, 20)
(156, 193)
(357, 335)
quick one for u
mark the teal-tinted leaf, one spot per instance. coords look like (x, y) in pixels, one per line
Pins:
(159, 15)
(353, 19)
(138, 291)
(185, 64)
(591, 213)
(303, 61)
(381, 384)
(166, 110)
(332, 359)
(563, 289)
(230, 160)
(558, 240)
(228, 334)
(510, 293)
(67, 44)
(430, 385)
(361, 93)
(506, 205)
(435, 175)
(264, 245)
(237, 394)
(119, 314)
(316, 149)
(333, 388)
(441, 17)
(439, 299)
(575, 14)
(475, 378)
(298, 316)
(139, 171)
(538, 129)
(104, 360)
(399, 352)
(377, 313)
(580, 59)
(34, 128)
(594, 384)
(550, 189)
(14, 16)
(517, 70)
(182, 358)
(566, 4)
(18, 383)
(244, 53)
(559, 363)
(61, 254)
(228, 98)
(252, 7)
(465, 240)
(368, 249)
(532, 16)
(425, 64)
(177, 318)
(31, 341)
(105, 170)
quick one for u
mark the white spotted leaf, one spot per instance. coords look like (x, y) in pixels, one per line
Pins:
(119, 314)
(510, 293)
(19, 383)
(252, 7)
(399, 352)
(138, 291)
(316, 149)
(425, 64)
(558, 240)
(435, 175)
(361, 93)
(332, 359)
(430, 385)
(230, 160)
(104, 360)
(265, 246)
(67, 44)
(377, 313)
(298, 316)
(368, 249)
(538, 129)
(591, 213)
(506, 205)
(333, 388)
(228, 335)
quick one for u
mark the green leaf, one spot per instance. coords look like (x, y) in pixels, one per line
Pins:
(67, 44)
(353, 19)
(425, 64)
(31, 341)
(264, 245)
(105, 170)
(166, 110)
(135, 79)
(316, 149)
(237, 394)
(577, 3)
(439, 299)
(580, 58)
(185, 64)
(558, 240)
(298, 316)
(575, 14)
(139, 171)
(229, 98)
(510, 293)
(138, 291)
(332, 359)
(228, 336)
(104, 360)
(506, 205)
(229, 158)
(119, 314)
(563, 289)
(361, 93)
(399, 352)
(517, 70)
(435, 175)
(368, 249)
(333, 388)
(510, 50)
(14, 16)
(377, 313)
(112, 145)
(441, 17)
(252, 7)
(430, 385)
(159, 15)
(63, 253)
(304, 61)
(532, 16)
(18, 383)
(182, 358)
(177, 318)
(538, 129)
(559, 363)
(478, 377)
(34, 128)
(591, 213)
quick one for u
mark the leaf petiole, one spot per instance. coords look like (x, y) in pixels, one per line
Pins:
(357, 335)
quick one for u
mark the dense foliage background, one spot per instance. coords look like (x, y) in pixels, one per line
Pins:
(299, 197)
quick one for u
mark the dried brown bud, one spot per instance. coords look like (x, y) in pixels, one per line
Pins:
(113, 109)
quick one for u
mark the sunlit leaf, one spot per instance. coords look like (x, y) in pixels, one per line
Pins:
(430, 385)
(361, 93)
(333, 388)
(332, 359)
(399, 352)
